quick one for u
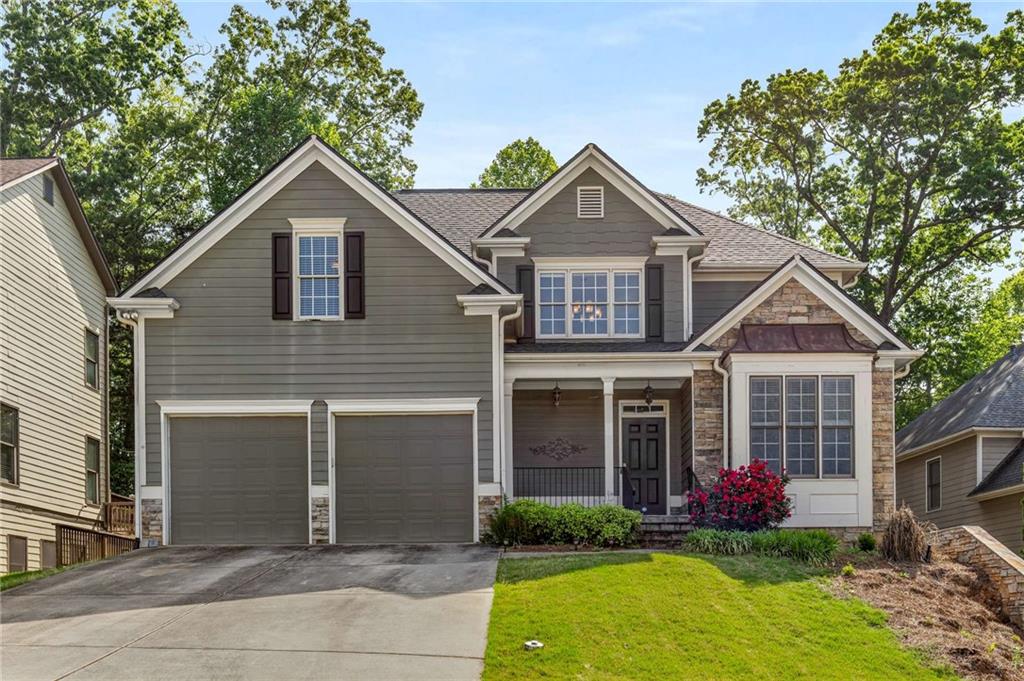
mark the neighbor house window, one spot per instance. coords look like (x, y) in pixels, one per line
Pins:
(48, 189)
(933, 484)
(9, 444)
(92, 359)
(590, 303)
(92, 470)
(796, 429)
(319, 274)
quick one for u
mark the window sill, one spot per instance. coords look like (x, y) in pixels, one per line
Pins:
(10, 485)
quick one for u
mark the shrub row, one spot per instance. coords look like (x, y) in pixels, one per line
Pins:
(525, 522)
(816, 547)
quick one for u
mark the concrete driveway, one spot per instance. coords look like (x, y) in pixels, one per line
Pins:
(310, 612)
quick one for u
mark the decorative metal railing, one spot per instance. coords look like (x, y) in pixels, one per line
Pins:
(557, 485)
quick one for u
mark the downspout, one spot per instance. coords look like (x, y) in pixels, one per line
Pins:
(901, 373)
(724, 373)
(689, 293)
(131, 320)
(502, 454)
(486, 263)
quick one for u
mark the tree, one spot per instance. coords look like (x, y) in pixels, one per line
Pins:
(521, 164)
(902, 160)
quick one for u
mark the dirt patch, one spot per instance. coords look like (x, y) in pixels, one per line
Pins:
(949, 611)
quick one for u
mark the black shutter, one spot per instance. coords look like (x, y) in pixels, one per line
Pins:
(355, 276)
(524, 284)
(281, 275)
(655, 284)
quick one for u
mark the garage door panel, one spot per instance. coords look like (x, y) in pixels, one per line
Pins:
(404, 478)
(239, 480)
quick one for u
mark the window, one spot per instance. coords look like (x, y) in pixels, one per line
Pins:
(47, 554)
(17, 553)
(589, 202)
(795, 431)
(9, 444)
(933, 484)
(48, 189)
(319, 274)
(92, 359)
(92, 470)
(589, 302)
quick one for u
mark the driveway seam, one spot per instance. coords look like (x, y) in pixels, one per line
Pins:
(310, 650)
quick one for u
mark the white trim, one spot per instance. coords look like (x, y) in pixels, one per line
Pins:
(667, 456)
(392, 407)
(226, 408)
(996, 493)
(608, 266)
(569, 368)
(611, 357)
(592, 158)
(486, 305)
(927, 462)
(310, 152)
(671, 245)
(21, 178)
(979, 455)
(798, 269)
(608, 391)
(604, 263)
(317, 227)
(955, 437)
(139, 343)
(579, 202)
(136, 308)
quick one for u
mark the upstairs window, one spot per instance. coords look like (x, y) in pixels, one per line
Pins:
(933, 484)
(9, 444)
(92, 359)
(319, 275)
(92, 470)
(589, 202)
(587, 302)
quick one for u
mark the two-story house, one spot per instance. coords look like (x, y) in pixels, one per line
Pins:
(326, 361)
(54, 283)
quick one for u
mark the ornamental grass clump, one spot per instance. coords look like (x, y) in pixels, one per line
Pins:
(815, 547)
(904, 539)
(746, 498)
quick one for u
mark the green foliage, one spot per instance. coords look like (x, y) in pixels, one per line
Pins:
(526, 522)
(866, 542)
(848, 570)
(815, 547)
(521, 164)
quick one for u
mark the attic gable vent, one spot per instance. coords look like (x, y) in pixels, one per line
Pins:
(590, 202)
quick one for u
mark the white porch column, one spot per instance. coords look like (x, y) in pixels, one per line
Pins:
(506, 424)
(609, 437)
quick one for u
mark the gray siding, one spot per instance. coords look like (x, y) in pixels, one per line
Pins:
(625, 230)
(222, 343)
(712, 298)
(1001, 516)
(318, 441)
(994, 450)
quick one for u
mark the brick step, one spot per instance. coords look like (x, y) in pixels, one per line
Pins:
(656, 527)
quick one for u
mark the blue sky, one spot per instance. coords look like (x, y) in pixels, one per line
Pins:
(634, 78)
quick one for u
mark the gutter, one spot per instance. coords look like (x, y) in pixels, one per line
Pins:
(724, 373)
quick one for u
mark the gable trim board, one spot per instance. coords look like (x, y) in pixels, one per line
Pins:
(592, 157)
(313, 150)
(973, 431)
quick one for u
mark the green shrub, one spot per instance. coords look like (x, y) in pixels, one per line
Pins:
(816, 547)
(526, 522)
(866, 542)
(848, 571)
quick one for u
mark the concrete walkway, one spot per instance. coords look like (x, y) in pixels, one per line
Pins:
(310, 612)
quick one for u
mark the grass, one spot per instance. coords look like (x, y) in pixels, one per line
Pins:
(13, 579)
(660, 615)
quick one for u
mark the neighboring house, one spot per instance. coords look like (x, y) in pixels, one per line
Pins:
(961, 462)
(53, 363)
(325, 361)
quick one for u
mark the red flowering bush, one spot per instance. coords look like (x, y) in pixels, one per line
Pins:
(745, 498)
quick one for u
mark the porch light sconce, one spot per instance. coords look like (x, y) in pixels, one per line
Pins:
(556, 394)
(648, 394)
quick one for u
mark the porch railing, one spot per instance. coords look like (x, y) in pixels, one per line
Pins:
(557, 485)
(119, 517)
(75, 545)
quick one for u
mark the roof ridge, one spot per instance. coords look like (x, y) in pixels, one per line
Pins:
(468, 190)
(782, 237)
(28, 158)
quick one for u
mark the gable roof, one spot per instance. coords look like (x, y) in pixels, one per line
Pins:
(462, 214)
(311, 150)
(992, 399)
(592, 157)
(1008, 473)
(16, 170)
(833, 295)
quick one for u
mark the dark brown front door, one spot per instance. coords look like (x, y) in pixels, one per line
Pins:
(643, 453)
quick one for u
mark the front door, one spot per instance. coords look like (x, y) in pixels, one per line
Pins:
(643, 452)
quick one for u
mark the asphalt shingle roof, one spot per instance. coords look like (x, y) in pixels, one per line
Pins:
(594, 346)
(1008, 473)
(13, 168)
(992, 399)
(464, 214)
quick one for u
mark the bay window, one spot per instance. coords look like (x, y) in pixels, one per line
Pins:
(590, 303)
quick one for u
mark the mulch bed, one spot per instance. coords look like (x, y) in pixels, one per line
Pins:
(949, 611)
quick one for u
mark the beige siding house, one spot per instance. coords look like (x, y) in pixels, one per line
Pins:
(962, 462)
(53, 363)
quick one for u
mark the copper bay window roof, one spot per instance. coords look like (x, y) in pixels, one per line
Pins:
(797, 338)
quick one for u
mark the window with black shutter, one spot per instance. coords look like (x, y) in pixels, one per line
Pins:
(355, 275)
(524, 285)
(281, 275)
(655, 293)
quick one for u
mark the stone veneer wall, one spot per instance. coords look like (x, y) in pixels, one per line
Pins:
(708, 437)
(486, 506)
(883, 448)
(973, 546)
(152, 522)
(321, 520)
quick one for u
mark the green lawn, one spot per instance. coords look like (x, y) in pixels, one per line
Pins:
(660, 616)
(13, 579)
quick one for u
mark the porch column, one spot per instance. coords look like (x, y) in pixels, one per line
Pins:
(506, 425)
(609, 437)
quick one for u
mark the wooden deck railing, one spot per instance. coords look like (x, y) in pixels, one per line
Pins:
(119, 517)
(75, 545)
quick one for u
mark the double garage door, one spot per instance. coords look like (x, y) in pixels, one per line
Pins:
(244, 479)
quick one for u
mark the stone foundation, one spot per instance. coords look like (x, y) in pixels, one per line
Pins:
(486, 506)
(152, 522)
(973, 546)
(321, 520)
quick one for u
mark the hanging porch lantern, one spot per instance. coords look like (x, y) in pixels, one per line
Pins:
(556, 394)
(648, 394)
